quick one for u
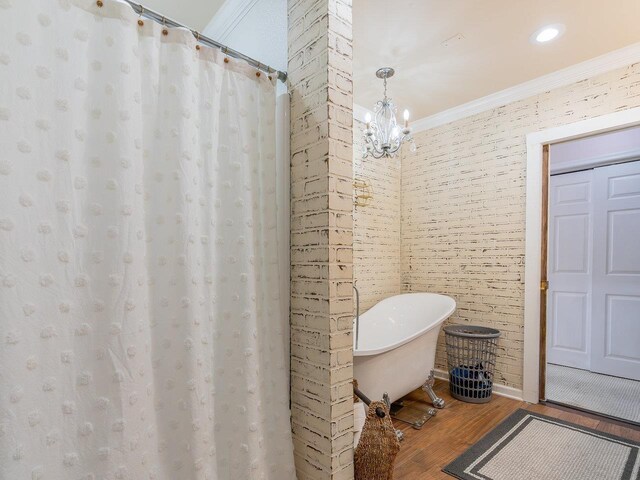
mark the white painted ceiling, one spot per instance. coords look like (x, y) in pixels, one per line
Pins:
(195, 14)
(495, 53)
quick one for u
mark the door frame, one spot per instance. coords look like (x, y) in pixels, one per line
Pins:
(536, 234)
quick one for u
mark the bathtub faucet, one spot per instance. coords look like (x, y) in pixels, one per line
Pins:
(357, 314)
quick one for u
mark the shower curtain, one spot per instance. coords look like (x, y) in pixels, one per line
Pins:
(141, 333)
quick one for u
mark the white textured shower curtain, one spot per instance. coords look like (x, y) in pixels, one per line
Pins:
(142, 335)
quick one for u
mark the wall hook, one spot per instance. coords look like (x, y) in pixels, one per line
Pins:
(363, 192)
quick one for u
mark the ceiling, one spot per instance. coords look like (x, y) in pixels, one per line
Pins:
(195, 14)
(494, 54)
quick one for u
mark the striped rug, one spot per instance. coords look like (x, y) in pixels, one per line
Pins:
(530, 446)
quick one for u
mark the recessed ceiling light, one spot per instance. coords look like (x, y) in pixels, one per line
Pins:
(547, 33)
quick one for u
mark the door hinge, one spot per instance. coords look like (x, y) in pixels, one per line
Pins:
(544, 285)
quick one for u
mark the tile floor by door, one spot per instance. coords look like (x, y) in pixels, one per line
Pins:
(457, 427)
(612, 396)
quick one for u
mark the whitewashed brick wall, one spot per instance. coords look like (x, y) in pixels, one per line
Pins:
(376, 227)
(463, 205)
(320, 57)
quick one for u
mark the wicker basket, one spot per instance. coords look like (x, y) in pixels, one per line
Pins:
(375, 455)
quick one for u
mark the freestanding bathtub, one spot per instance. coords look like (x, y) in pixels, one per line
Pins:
(397, 343)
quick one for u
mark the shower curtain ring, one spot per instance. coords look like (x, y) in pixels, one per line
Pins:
(165, 32)
(140, 21)
(197, 34)
(259, 68)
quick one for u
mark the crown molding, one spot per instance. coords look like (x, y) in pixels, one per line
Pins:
(581, 71)
(227, 18)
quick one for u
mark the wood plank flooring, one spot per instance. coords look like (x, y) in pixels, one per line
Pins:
(459, 425)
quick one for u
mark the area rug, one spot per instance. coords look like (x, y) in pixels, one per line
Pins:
(530, 446)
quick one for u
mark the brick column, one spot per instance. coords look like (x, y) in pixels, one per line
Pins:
(320, 70)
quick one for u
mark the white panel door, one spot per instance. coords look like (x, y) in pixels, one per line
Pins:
(616, 271)
(569, 269)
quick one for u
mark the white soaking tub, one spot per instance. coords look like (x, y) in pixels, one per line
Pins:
(396, 344)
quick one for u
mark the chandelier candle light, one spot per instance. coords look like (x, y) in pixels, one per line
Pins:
(382, 136)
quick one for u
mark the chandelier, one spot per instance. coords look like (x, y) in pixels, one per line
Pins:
(383, 137)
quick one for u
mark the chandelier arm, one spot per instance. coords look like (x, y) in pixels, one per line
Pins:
(369, 140)
(394, 149)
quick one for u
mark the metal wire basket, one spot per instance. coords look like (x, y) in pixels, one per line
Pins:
(471, 356)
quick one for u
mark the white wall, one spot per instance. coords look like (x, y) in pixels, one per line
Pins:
(376, 227)
(194, 14)
(257, 28)
(464, 205)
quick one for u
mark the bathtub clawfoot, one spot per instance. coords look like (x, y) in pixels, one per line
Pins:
(387, 402)
(428, 388)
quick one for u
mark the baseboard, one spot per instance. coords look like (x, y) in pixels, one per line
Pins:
(502, 390)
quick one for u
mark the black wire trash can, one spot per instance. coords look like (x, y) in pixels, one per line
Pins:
(471, 356)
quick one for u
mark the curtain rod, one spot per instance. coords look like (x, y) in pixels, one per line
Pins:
(145, 12)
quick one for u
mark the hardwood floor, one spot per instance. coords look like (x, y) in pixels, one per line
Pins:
(459, 425)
